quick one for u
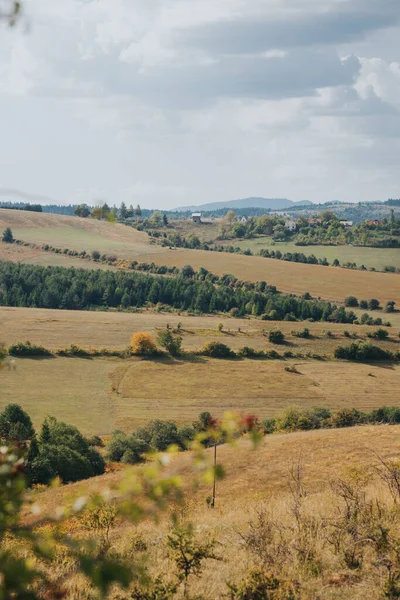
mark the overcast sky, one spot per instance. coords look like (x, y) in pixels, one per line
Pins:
(173, 102)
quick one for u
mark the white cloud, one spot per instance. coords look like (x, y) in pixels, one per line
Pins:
(176, 102)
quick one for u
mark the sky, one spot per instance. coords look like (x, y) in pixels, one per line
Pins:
(175, 102)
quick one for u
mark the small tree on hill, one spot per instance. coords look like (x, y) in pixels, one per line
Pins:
(7, 237)
(276, 337)
(172, 343)
(142, 344)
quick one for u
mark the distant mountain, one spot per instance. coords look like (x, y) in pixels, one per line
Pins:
(253, 202)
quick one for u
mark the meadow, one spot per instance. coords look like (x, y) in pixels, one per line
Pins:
(125, 242)
(100, 395)
(377, 258)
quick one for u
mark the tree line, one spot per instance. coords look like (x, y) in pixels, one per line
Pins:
(201, 292)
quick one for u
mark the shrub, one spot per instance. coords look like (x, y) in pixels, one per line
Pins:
(304, 333)
(351, 301)
(363, 304)
(346, 417)
(379, 334)
(15, 424)
(269, 426)
(95, 441)
(386, 414)
(96, 255)
(217, 350)
(62, 451)
(172, 343)
(248, 352)
(362, 351)
(276, 336)
(7, 236)
(74, 350)
(142, 344)
(22, 349)
(130, 449)
(373, 304)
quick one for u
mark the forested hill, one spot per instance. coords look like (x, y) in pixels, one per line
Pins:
(201, 292)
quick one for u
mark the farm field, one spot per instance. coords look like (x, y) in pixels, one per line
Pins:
(125, 242)
(101, 395)
(60, 328)
(376, 258)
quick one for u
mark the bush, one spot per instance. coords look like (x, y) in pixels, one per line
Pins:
(276, 337)
(373, 304)
(130, 448)
(15, 424)
(295, 418)
(346, 417)
(172, 343)
(95, 441)
(351, 301)
(247, 352)
(217, 350)
(74, 350)
(62, 451)
(304, 333)
(142, 344)
(363, 304)
(96, 255)
(22, 349)
(362, 351)
(379, 334)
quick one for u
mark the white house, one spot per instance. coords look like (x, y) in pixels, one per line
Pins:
(196, 217)
(347, 223)
(243, 220)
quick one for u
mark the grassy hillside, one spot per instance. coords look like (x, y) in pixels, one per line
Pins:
(259, 484)
(125, 242)
(376, 258)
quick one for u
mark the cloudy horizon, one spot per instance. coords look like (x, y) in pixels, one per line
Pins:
(169, 102)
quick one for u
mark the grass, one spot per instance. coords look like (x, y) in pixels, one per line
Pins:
(377, 258)
(125, 242)
(101, 395)
(256, 479)
(60, 328)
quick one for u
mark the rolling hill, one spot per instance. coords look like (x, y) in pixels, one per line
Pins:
(252, 202)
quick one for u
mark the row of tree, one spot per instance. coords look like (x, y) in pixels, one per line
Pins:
(78, 289)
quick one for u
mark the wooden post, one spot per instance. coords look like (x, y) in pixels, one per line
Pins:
(215, 465)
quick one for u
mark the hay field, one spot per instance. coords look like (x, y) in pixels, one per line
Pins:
(324, 282)
(60, 328)
(377, 258)
(125, 242)
(101, 395)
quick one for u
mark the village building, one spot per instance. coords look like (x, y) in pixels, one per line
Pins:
(196, 217)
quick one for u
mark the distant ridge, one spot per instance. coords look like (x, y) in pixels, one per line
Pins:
(252, 202)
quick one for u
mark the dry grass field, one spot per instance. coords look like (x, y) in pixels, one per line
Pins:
(60, 328)
(101, 395)
(257, 480)
(125, 242)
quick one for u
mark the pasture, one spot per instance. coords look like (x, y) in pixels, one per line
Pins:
(125, 242)
(376, 258)
(60, 328)
(257, 482)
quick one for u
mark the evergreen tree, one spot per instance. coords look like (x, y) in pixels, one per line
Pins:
(7, 237)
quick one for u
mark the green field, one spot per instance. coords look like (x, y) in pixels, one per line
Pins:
(376, 258)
